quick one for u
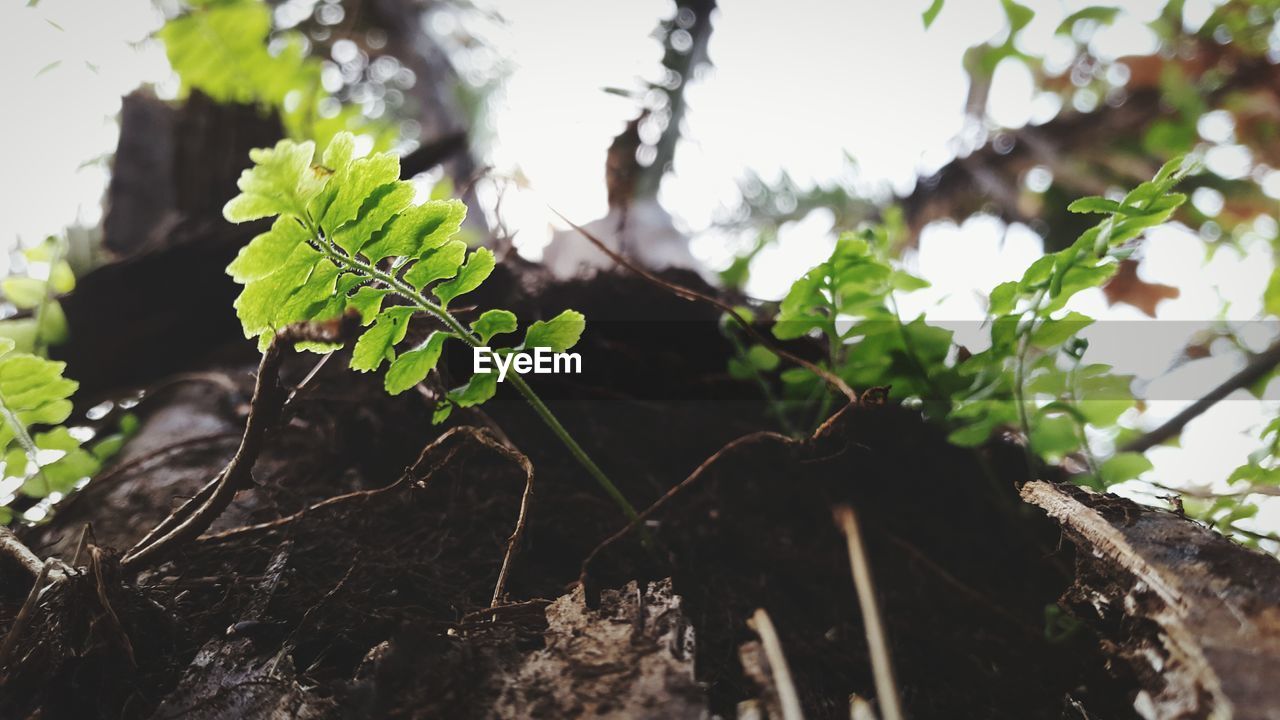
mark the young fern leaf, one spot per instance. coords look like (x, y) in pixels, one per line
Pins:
(34, 393)
(348, 238)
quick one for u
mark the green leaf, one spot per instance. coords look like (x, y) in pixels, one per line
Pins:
(494, 322)
(1096, 13)
(1037, 273)
(762, 358)
(15, 462)
(1095, 204)
(1002, 298)
(33, 392)
(53, 324)
(412, 366)
(1271, 297)
(378, 342)
(1052, 333)
(368, 302)
(472, 274)
(215, 48)
(354, 183)
(24, 292)
(438, 264)
(382, 204)
(281, 182)
(264, 254)
(260, 303)
(61, 278)
(559, 333)
(1019, 15)
(480, 388)
(931, 13)
(441, 413)
(1123, 466)
(417, 230)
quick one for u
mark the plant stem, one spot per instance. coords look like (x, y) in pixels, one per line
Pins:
(24, 439)
(574, 448)
(408, 292)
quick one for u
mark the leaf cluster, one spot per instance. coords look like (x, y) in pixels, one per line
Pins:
(348, 237)
(34, 402)
(1032, 375)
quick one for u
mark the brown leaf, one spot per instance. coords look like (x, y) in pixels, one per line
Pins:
(1126, 287)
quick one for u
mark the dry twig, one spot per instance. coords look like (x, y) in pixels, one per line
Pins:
(881, 663)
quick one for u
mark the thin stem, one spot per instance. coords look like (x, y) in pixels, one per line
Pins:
(24, 439)
(909, 346)
(770, 398)
(575, 449)
(1020, 378)
(408, 292)
(38, 344)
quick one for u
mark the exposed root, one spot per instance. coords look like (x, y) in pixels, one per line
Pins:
(95, 562)
(196, 515)
(24, 614)
(584, 576)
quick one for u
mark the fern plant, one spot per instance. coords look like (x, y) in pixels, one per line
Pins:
(34, 394)
(1033, 375)
(348, 236)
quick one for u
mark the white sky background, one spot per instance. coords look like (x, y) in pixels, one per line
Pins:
(794, 86)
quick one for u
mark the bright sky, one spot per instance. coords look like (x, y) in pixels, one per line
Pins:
(793, 87)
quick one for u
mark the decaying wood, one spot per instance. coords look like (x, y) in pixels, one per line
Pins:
(1195, 617)
(631, 658)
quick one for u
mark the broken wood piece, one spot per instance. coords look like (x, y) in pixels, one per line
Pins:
(1194, 616)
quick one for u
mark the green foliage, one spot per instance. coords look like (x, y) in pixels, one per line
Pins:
(848, 302)
(347, 238)
(226, 49)
(1032, 376)
(34, 395)
(931, 13)
(38, 293)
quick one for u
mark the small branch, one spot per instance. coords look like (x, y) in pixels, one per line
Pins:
(881, 663)
(197, 514)
(1258, 367)
(692, 295)
(12, 547)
